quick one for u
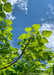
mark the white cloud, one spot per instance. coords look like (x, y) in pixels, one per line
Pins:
(22, 4)
(10, 16)
(49, 26)
(13, 2)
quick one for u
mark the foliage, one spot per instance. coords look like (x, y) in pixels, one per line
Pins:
(32, 46)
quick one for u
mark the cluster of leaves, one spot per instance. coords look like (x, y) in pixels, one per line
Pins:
(32, 44)
(7, 52)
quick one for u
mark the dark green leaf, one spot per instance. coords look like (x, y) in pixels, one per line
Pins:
(7, 7)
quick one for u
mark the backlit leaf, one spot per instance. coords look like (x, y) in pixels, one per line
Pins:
(22, 36)
(46, 33)
(36, 27)
(9, 27)
(1, 19)
(29, 29)
(7, 21)
(44, 40)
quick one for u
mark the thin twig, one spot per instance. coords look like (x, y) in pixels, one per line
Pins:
(18, 57)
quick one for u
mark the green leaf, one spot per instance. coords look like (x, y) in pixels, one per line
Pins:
(4, 1)
(1, 7)
(7, 7)
(20, 42)
(1, 19)
(46, 33)
(33, 55)
(36, 27)
(7, 21)
(10, 36)
(0, 1)
(44, 40)
(2, 14)
(29, 29)
(22, 36)
(0, 27)
(9, 27)
(1, 45)
(4, 40)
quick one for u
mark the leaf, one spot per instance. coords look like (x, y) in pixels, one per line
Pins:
(4, 40)
(33, 55)
(44, 40)
(46, 33)
(1, 45)
(0, 1)
(7, 21)
(1, 19)
(1, 7)
(7, 7)
(10, 36)
(20, 42)
(51, 64)
(22, 36)
(9, 28)
(36, 27)
(2, 14)
(29, 29)
(4, 1)
(0, 27)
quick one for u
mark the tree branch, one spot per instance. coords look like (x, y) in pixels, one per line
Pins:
(18, 57)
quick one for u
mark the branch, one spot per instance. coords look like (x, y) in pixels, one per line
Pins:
(18, 57)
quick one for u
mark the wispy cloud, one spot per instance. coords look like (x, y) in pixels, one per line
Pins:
(10, 16)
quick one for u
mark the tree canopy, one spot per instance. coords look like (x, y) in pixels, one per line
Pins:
(32, 44)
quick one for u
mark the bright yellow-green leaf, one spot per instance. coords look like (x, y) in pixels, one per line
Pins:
(1, 19)
(0, 1)
(44, 40)
(33, 55)
(36, 27)
(10, 36)
(9, 27)
(7, 21)
(29, 29)
(46, 33)
(22, 36)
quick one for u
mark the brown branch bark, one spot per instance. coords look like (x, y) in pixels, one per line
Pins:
(18, 57)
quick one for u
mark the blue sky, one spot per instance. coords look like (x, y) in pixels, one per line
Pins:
(28, 12)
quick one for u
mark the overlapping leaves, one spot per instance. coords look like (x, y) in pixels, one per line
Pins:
(34, 52)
